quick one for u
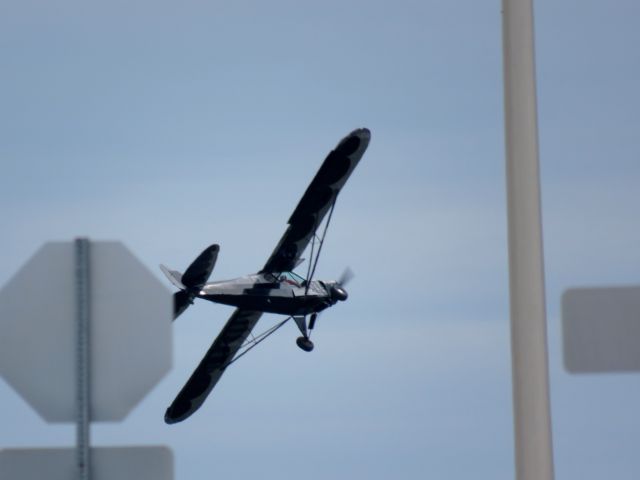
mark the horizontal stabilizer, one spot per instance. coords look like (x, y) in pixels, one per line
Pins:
(192, 280)
(181, 301)
(200, 270)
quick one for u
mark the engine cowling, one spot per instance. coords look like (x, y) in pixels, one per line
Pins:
(338, 293)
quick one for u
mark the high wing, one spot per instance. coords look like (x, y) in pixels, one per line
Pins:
(317, 200)
(213, 365)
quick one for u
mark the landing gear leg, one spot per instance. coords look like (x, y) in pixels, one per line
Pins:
(312, 322)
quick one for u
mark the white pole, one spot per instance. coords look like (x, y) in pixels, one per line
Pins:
(530, 377)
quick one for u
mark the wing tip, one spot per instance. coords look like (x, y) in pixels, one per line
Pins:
(178, 411)
(362, 132)
(363, 136)
(355, 144)
(170, 418)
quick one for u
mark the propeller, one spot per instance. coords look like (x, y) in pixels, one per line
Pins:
(346, 276)
(338, 292)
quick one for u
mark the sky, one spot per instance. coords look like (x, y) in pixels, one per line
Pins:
(173, 125)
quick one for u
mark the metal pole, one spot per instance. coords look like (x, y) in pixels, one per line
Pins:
(82, 357)
(530, 377)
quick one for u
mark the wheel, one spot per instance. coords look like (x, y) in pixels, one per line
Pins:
(305, 344)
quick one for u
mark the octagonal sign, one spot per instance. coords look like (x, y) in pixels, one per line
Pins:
(129, 331)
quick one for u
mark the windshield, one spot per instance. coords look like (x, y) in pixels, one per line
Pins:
(291, 278)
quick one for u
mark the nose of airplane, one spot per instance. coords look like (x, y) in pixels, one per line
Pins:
(339, 293)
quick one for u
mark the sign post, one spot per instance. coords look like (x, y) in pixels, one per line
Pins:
(82, 360)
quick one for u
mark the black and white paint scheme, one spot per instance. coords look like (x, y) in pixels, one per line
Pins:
(275, 288)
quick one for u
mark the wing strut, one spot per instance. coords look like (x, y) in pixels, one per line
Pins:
(311, 269)
(256, 340)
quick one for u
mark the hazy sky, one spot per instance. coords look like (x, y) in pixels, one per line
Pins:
(174, 125)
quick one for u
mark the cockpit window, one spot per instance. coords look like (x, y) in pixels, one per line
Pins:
(271, 277)
(288, 277)
(292, 279)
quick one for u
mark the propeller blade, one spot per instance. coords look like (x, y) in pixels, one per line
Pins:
(346, 277)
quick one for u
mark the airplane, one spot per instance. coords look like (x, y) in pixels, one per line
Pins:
(275, 288)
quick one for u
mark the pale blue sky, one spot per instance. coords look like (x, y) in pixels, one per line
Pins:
(173, 125)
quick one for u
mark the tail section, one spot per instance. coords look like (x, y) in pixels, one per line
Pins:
(200, 270)
(192, 280)
(174, 277)
(181, 301)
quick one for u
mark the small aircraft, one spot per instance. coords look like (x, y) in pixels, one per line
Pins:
(275, 288)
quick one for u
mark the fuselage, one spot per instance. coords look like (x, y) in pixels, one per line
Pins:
(283, 293)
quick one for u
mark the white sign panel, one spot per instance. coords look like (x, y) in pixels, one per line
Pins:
(130, 331)
(601, 329)
(113, 463)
